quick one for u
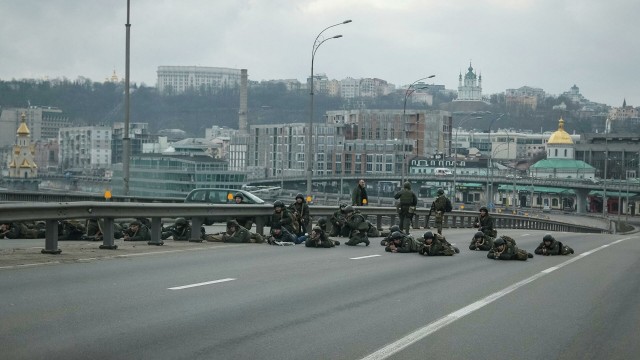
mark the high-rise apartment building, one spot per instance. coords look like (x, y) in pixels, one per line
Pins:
(178, 79)
(85, 148)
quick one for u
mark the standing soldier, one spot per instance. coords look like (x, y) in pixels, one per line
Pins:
(300, 210)
(318, 239)
(407, 206)
(481, 242)
(507, 250)
(484, 223)
(549, 246)
(439, 206)
(359, 195)
(437, 245)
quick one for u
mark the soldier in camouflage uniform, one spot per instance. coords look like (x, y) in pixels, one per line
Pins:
(437, 245)
(481, 242)
(438, 208)
(300, 211)
(402, 243)
(550, 246)
(283, 217)
(70, 230)
(506, 249)
(358, 225)
(387, 234)
(18, 230)
(318, 239)
(485, 223)
(338, 223)
(279, 235)
(180, 230)
(137, 232)
(245, 222)
(407, 202)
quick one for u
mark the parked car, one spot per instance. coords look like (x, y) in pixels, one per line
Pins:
(220, 196)
(546, 208)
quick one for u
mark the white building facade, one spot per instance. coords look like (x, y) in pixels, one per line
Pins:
(85, 147)
(178, 79)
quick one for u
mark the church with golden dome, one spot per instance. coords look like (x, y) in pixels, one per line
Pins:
(23, 171)
(560, 162)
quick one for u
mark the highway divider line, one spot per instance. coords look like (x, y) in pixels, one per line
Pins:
(364, 257)
(200, 284)
(431, 328)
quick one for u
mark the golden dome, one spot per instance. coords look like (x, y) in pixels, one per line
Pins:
(23, 129)
(560, 136)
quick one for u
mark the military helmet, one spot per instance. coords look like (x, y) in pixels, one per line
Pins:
(484, 208)
(239, 195)
(428, 235)
(278, 204)
(232, 222)
(394, 228)
(498, 242)
(322, 221)
(135, 222)
(479, 234)
(343, 205)
(440, 192)
(348, 208)
(299, 196)
(407, 185)
(396, 235)
(181, 221)
(317, 229)
(548, 237)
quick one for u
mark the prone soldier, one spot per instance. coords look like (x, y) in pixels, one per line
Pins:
(481, 242)
(318, 239)
(504, 248)
(403, 243)
(437, 245)
(137, 232)
(550, 246)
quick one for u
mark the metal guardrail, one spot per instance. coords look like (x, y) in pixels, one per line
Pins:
(51, 213)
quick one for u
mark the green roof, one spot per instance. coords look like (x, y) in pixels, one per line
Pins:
(469, 185)
(611, 193)
(561, 164)
(536, 189)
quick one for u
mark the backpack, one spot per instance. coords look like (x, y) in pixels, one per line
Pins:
(447, 206)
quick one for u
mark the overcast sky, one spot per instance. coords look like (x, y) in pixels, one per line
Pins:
(550, 44)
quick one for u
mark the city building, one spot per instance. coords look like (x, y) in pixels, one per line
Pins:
(173, 176)
(560, 162)
(178, 79)
(43, 122)
(469, 87)
(85, 149)
(138, 136)
(524, 96)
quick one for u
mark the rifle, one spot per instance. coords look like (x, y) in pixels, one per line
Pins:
(429, 214)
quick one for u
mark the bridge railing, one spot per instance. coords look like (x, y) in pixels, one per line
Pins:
(52, 213)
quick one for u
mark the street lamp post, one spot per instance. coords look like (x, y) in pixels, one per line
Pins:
(316, 44)
(489, 165)
(455, 154)
(407, 92)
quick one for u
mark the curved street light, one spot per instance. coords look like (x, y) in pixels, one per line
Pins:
(489, 165)
(316, 45)
(410, 90)
(455, 160)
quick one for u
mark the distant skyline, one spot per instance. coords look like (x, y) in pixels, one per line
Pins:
(548, 44)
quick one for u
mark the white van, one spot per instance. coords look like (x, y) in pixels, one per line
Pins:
(442, 171)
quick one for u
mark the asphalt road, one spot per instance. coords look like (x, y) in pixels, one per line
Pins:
(255, 301)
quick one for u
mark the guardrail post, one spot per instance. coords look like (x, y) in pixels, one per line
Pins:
(196, 224)
(156, 232)
(260, 221)
(51, 238)
(107, 235)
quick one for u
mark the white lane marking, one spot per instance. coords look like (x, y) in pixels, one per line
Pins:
(200, 284)
(363, 257)
(524, 235)
(429, 329)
